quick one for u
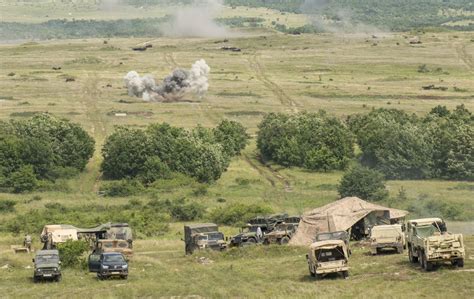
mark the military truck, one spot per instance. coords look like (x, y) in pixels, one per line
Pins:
(203, 236)
(430, 244)
(384, 237)
(329, 256)
(113, 245)
(57, 233)
(295, 220)
(108, 264)
(47, 266)
(249, 234)
(338, 235)
(280, 235)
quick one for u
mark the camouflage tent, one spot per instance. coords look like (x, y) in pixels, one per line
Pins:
(350, 213)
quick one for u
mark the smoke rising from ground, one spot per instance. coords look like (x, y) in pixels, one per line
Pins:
(174, 87)
(196, 20)
(342, 20)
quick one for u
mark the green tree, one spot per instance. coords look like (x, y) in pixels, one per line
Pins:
(368, 184)
(23, 180)
(232, 136)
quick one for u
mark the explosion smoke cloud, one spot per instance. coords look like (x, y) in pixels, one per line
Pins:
(173, 87)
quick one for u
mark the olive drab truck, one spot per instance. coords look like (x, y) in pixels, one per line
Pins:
(329, 256)
(280, 235)
(384, 237)
(250, 234)
(203, 236)
(429, 243)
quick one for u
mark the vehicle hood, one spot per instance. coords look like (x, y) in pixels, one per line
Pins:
(114, 264)
(46, 265)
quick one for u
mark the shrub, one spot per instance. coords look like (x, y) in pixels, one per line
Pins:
(7, 206)
(23, 180)
(70, 253)
(394, 143)
(235, 214)
(122, 188)
(233, 137)
(314, 141)
(363, 182)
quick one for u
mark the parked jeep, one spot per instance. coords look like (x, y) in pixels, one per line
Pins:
(47, 265)
(248, 235)
(330, 256)
(429, 243)
(108, 264)
(386, 237)
(338, 235)
(203, 236)
(280, 235)
(121, 246)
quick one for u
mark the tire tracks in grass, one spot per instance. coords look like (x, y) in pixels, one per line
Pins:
(464, 56)
(268, 173)
(261, 75)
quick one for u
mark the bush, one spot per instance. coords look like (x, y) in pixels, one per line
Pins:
(154, 153)
(364, 183)
(7, 206)
(394, 143)
(70, 253)
(123, 188)
(237, 214)
(23, 180)
(314, 141)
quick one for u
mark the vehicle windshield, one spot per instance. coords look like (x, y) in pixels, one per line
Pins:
(385, 232)
(113, 258)
(329, 255)
(247, 229)
(426, 231)
(216, 236)
(47, 259)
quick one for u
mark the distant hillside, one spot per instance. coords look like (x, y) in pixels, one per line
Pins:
(395, 15)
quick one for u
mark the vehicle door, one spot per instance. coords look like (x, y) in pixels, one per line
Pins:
(94, 262)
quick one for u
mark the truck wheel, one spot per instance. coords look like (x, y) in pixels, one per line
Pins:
(266, 242)
(413, 259)
(251, 241)
(345, 274)
(460, 263)
(58, 278)
(420, 257)
(427, 266)
(124, 276)
(400, 249)
(284, 240)
(313, 274)
(35, 279)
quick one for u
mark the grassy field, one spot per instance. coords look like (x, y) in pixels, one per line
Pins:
(343, 74)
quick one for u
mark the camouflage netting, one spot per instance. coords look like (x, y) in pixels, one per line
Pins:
(340, 215)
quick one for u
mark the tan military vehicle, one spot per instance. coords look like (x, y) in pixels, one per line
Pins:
(57, 233)
(203, 236)
(113, 245)
(280, 235)
(386, 237)
(429, 243)
(330, 256)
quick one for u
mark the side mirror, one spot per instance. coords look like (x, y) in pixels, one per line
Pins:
(59, 263)
(33, 260)
(226, 239)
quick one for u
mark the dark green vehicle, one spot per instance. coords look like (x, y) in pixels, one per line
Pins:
(108, 264)
(47, 266)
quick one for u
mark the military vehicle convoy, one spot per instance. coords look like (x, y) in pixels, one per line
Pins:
(203, 236)
(280, 235)
(430, 244)
(384, 237)
(47, 266)
(329, 256)
(249, 233)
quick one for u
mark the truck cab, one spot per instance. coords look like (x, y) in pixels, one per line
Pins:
(386, 237)
(329, 256)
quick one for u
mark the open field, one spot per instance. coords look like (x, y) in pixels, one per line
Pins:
(342, 74)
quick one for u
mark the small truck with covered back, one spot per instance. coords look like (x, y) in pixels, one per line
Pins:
(203, 236)
(430, 244)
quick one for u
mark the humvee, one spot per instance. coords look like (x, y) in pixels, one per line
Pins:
(329, 256)
(203, 236)
(386, 236)
(47, 265)
(108, 264)
(109, 245)
(280, 235)
(338, 235)
(429, 243)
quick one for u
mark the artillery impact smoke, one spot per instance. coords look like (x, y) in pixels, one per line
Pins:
(173, 87)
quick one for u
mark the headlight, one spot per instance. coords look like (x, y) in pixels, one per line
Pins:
(105, 267)
(124, 266)
(55, 269)
(39, 270)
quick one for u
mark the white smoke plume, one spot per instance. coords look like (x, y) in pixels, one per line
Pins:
(174, 87)
(196, 20)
